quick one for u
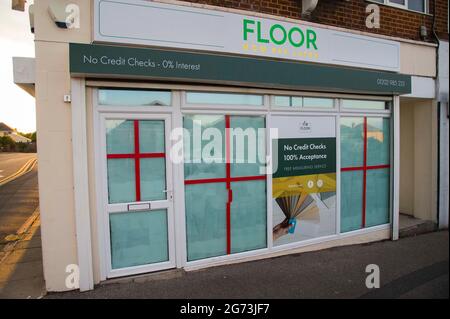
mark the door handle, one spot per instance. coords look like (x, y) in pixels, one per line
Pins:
(139, 207)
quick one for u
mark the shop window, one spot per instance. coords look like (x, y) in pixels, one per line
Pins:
(224, 99)
(225, 194)
(414, 5)
(135, 160)
(365, 172)
(305, 102)
(365, 105)
(288, 101)
(116, 97)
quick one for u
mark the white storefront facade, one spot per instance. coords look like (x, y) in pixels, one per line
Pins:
(198, 136)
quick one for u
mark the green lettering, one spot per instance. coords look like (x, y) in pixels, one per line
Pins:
(260, 38)
(247, 30)
(311, 38)
(272, 36)
(302, 37)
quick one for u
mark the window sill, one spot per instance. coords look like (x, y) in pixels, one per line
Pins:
(400, 8)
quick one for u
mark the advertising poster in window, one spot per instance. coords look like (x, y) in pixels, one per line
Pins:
(304, 178)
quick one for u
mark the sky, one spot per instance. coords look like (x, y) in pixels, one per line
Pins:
(17, 107)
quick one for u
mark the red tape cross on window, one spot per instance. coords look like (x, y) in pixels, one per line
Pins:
(364, 169)
(137, 155)
(228, 180)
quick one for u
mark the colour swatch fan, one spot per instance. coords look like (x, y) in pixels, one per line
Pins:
(300, 206)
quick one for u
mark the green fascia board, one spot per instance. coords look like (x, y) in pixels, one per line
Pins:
(93, 60)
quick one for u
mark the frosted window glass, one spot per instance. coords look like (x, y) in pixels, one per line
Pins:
(365, 105)
(351, 200)
(378, 141)
(248, 143)
(151, 137)
(299, 101)
(199, 162)
(352, 142)
(138, 238)
(248, 216)
(206, 220)
(224, 98)
(377, 206)
(288, 101)
(134, 97)
(121, 181)
(153, 179)
(119, 137)
(315, 102)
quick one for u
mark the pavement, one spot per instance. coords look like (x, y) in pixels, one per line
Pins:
(413, 267)
(19, 198)
(21, 271)
(21, 274)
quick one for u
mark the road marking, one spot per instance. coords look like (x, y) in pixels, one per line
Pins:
(29, 165)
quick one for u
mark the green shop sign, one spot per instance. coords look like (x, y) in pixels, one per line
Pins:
(126, 62)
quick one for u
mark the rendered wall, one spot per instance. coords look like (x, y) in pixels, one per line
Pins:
(418, 158)
(55, 147)
(418, 60)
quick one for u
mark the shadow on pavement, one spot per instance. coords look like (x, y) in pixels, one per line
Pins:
(21, 271)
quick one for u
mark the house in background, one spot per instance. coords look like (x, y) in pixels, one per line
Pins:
(5, 130)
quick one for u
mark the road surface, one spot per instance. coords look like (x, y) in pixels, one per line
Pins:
(18, 198)
(12, 162)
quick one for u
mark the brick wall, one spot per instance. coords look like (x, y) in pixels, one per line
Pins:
(442, 18)
(350, 14)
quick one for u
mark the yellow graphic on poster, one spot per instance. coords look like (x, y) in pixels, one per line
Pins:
(308, 184)
(304, 187)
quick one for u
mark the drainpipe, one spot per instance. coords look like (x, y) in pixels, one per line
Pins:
(308, 6)
(438, 114)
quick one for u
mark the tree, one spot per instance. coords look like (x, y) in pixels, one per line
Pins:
(7, 144)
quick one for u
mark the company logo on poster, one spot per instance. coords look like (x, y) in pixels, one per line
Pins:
(305, 126)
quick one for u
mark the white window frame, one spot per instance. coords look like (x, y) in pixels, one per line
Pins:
(116, 208)
(404, 6)
(178, 108)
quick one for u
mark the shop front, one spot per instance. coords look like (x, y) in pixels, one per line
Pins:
(189, 173)
(193, 147)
